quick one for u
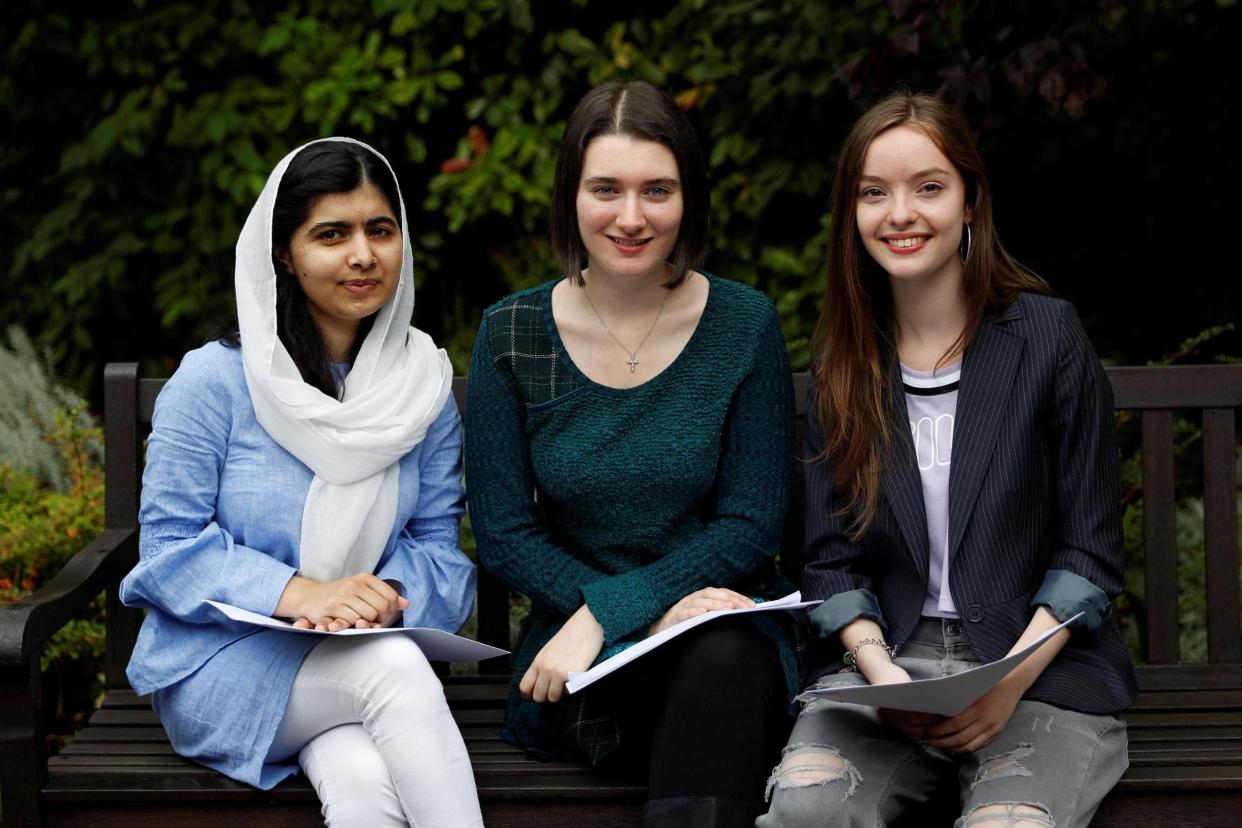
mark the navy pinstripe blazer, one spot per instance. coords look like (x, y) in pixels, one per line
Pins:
(1034, 512)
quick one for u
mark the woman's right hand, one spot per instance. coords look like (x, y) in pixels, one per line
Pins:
(360, 600)
(697, 603)
(571, 650)
(913, 725)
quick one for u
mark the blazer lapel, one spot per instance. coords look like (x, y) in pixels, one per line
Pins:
(988, 370)
(902, 485)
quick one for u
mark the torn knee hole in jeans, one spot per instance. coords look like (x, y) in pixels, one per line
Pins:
(813, 765)
(1002, 765)
(1007, 815)
(809, 700)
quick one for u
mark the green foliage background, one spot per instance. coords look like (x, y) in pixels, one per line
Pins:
(144, 130)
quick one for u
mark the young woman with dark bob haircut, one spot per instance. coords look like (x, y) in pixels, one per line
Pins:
(962, 499)
(628, 456)
(306, 465)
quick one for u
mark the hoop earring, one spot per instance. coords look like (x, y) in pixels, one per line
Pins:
(966, 252)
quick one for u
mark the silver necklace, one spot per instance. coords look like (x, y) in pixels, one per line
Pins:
(633, 360)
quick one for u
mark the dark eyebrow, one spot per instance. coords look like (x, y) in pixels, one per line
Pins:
(345, 225)
(651, 182)
(919, 174)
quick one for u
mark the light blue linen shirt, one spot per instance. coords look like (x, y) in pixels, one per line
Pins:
(221, 519)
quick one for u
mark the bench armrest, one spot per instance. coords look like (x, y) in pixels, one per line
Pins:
(26, 625)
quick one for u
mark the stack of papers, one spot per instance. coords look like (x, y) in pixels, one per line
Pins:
(577, 681)
(946, 696)
(437, 645)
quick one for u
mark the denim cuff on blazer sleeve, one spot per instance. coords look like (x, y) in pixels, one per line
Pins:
(1066, 594)
(830, 617)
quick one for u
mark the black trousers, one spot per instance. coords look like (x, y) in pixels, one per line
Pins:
(704, 719)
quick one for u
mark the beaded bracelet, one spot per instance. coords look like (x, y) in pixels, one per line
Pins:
(851, 657)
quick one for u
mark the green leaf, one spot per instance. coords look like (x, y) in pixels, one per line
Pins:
(274, 39)
(448, 80)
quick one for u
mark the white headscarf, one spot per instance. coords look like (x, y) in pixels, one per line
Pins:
(395, 390)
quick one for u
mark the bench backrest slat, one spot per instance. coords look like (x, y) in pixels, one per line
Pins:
(1153, 391)
(1178, 386)
(1160, 537)
(1220, 535)
(122, 459)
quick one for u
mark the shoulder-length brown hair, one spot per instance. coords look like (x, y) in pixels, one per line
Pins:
(855, 352)
(634, 109)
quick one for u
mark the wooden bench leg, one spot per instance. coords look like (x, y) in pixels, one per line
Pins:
(22, 745)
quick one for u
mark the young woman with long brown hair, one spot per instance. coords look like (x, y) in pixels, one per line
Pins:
(962, 499)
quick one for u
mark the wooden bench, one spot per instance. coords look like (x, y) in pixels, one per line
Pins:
(1185, 731)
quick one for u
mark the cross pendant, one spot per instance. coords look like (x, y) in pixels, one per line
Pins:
(632, 362)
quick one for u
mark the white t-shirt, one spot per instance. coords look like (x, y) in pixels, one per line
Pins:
(931, 402)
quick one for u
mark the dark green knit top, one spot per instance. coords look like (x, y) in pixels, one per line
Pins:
(645, 494)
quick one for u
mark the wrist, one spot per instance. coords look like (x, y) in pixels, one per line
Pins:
(868, 652)
(587, 620)
(886, 672)
(1017, 682)
(293, 601)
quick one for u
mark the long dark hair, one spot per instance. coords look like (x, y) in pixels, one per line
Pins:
(853, 362)
(320, 169)
(633, 109)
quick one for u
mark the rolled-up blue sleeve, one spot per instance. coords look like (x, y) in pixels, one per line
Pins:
(1066, 594)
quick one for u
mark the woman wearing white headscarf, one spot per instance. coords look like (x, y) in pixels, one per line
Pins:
(307, 466)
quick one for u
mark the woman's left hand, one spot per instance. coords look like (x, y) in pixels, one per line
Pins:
(699, 602)
(978, 724)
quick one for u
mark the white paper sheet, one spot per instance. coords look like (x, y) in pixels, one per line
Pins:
(945, 696)
(577, 681)
(437, 645)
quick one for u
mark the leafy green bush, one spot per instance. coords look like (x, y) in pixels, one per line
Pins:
(51, 504)
(31, 410)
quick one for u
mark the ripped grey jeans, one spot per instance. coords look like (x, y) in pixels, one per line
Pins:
(1048, 768)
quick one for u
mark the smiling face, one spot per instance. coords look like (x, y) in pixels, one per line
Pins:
(629, 206)
(347, 259)
(911, 207)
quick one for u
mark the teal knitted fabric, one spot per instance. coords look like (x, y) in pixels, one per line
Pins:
(627, 499)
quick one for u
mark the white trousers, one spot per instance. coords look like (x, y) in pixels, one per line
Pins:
(370, 726)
